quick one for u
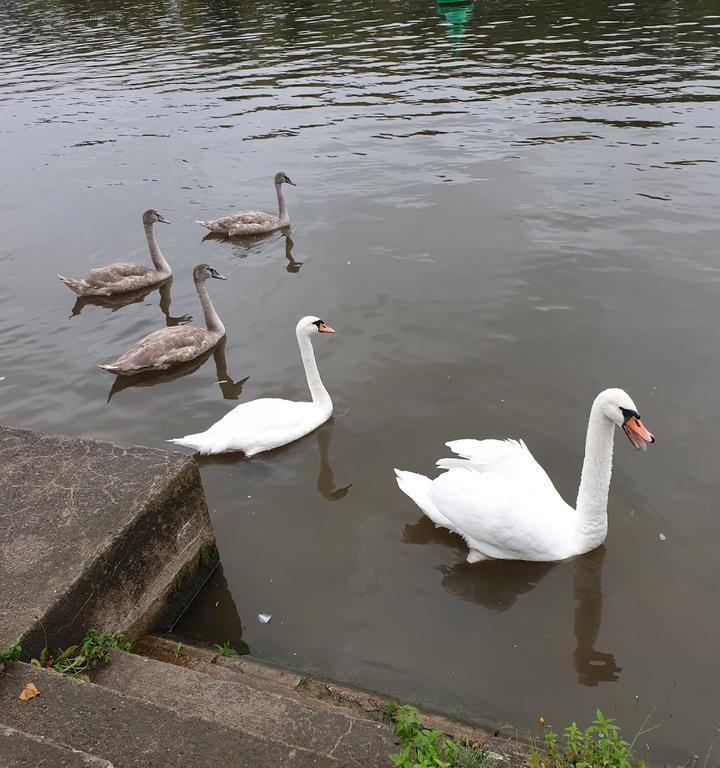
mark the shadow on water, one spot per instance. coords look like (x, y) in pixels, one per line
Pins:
(326, 478)
(244, 245)
(113, 303)
(497, 584)
(213, 609)
(230, 389)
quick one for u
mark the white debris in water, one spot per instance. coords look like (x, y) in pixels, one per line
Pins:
(2, 378)
(662, 537)
(263, 618)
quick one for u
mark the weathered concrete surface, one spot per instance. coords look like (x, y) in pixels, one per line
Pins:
(321, 695)
(21, 750)
(133, 733)
(300, 723)
(91, 535)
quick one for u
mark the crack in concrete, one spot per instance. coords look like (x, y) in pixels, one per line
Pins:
(331, 753)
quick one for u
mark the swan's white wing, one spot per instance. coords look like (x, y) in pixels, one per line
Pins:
(259, 425)
(265, 417)
(504, 518)
(508, 458)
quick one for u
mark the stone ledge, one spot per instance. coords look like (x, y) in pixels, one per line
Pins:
(91, 535)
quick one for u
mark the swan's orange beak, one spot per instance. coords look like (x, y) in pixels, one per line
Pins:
(325, 328)
(638, 434)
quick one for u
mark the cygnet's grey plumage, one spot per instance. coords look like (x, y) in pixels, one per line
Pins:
(123, 278)
(254, 222)
(179, 344)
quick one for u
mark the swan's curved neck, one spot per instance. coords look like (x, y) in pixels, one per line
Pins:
(319, 394)
(155, 254)
(212, 321)
(282, 206)
(592, 495)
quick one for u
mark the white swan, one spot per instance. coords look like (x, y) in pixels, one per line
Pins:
(270, 422)
(499, 499)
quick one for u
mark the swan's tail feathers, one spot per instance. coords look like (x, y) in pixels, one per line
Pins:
(475, 556)
(417, 487)
(110, 368)
(74, 285)
(198, 442)
(205, 224)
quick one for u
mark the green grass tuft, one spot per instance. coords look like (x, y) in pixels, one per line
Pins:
(225, 649)
(11, 652)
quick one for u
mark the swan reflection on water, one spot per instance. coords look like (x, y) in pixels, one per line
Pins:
(230, 389)
(244, 245)
(497, 585)
(326, 478)
(113, 303)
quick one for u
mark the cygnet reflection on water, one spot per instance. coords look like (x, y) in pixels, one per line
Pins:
(230, 388)
(113, 303)
(243, 248)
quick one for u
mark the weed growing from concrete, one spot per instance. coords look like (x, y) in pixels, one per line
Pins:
(424, 748)
(225, 649)
(208, 553)
(389, 711)
(180, 578)
(598, 746)
(11, 652)
(177, 651)
(77, 660)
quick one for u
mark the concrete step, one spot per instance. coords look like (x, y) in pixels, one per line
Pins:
(253, 673)
(20, 750)
(324, 694)
(226, 700)
(132, 731)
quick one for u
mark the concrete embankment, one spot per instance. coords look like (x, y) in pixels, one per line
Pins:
(91, 535)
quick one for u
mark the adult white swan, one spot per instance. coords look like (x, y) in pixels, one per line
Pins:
(270, 422)
(499, 499)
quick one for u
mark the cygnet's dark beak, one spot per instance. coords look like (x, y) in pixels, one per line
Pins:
(214, 273)
(162, 219)
(288, 180)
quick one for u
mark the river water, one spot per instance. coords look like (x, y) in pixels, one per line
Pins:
(502, 208)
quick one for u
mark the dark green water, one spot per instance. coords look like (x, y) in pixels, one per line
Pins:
(502, 208)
